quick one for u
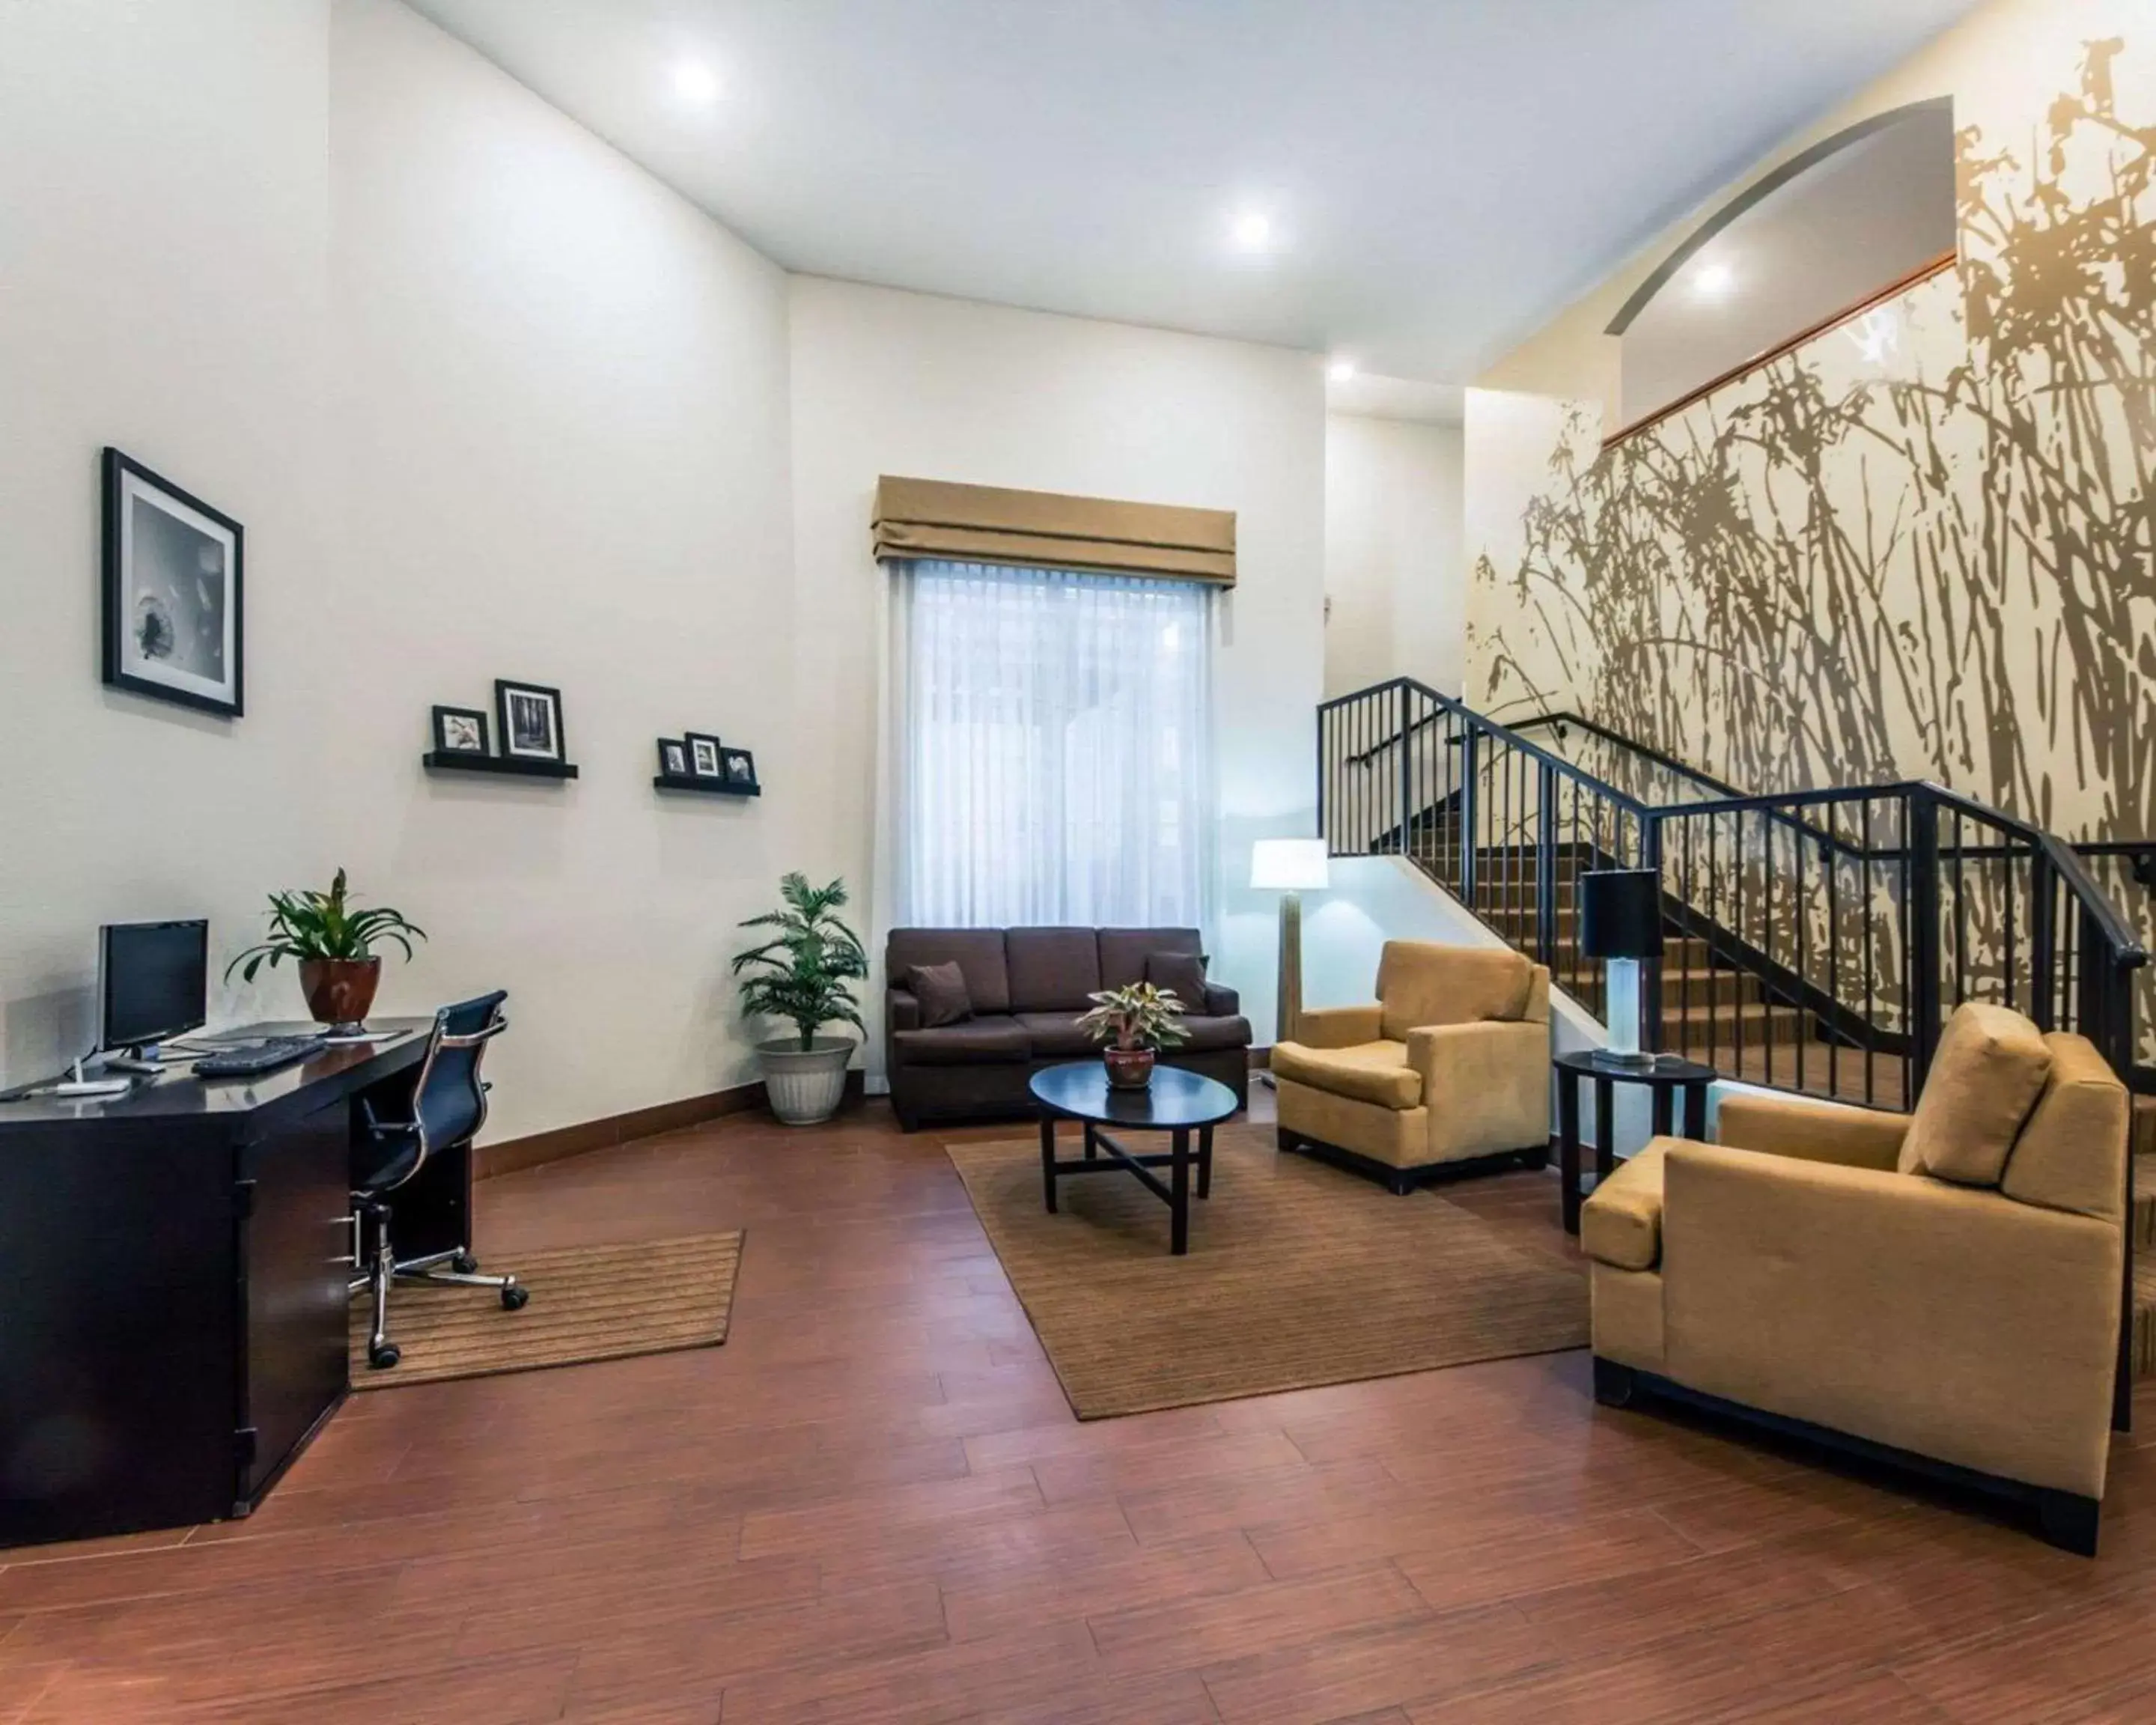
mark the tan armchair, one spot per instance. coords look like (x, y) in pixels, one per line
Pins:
(1945, 1284)
(1449, 1069)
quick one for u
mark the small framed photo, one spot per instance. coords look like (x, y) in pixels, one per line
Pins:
(673, 758)
(461, 731)
(739, 765)
(173, 592)
(529, 716)
(704, 754)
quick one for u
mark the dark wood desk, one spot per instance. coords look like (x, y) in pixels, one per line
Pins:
(174, 1274)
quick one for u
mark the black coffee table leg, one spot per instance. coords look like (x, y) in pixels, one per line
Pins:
(1089, 1151)
(1178, 1239)
(1567, 1148)
(1205, 1161)
(1048, 1158)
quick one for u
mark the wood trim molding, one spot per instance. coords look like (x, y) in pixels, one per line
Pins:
(511, 1154)
(1893, 290)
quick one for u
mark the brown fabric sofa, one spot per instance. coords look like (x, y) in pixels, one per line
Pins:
(1944, 1286)
(1029, 986)
(1447, 1072)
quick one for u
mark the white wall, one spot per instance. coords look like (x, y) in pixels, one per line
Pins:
(887, 382)
(1394, 568)
(164, 235)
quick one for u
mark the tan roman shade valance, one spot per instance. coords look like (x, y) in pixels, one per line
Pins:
(928, 518)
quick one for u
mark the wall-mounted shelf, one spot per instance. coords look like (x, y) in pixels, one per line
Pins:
(707, 787)
(509, 766)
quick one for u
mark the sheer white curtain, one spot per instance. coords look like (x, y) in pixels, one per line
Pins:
(1051, 748)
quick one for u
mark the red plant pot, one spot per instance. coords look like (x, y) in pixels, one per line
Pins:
(1129, 1068)
(340, 991)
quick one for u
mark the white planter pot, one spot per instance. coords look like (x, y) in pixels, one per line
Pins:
(805, 1085)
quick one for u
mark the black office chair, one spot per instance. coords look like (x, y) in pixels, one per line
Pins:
(449, 1105)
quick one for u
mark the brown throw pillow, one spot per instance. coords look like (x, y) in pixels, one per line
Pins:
(1987, 1073)
(1182, 974)
(940, 989)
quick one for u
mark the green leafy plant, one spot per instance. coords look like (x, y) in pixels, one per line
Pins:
(802, 973)
(1138, 1015)
(309, 925)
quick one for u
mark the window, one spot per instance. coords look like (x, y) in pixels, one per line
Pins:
(1052, 751)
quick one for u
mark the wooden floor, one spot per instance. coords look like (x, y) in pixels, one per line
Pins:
(873, 1505)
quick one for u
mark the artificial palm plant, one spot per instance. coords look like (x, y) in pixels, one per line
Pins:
(804, 971)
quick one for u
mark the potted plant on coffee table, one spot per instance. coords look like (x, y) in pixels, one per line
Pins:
(1135, 1022)
(334, 945)
(803, 974)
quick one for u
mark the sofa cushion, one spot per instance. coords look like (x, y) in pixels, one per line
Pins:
(2071, 1154)
(1370, 1071)
(1620, 1225)
(1985, 1076)
(1423, 983)
(1207, 1032)
(979, 1041)
(1055, 1036)
(1124, 952)
(1051, 969)
(978, 953)
(940, 989)
(1182, 974)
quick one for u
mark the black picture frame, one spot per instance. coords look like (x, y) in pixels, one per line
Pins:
(202, 628)
(510, 704)
(442, 743)
(739, 766)
(676, 764)
(717, 770)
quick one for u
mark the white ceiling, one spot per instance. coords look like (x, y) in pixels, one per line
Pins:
(1441, 175)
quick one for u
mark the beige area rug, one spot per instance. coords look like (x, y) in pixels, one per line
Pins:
(587, 1303)
(1297, 1275)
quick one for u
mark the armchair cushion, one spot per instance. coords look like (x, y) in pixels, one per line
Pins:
(940, 989)
(1988, 1071)
(1620, 1225)
(1812, 1131)
(1369, 1072)
(1423, 983)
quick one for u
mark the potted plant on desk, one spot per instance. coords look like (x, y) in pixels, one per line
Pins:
(334, 945)
(802, 974)
(1134, 1022)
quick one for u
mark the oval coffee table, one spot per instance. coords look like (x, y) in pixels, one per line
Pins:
(1176, 1102)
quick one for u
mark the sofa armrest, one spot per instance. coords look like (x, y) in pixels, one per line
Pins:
(1954, 1322)
(1337, 1026)
(1486, 1086)
(1812, 1131)
(1221, 1001)
(902, 1011)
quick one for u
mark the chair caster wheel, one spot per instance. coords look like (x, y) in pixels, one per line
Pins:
(514, 1298)
(383, 1358)
(464, 1263)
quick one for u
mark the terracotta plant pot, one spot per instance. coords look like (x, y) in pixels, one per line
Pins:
(340, 991)
(1129, 1068)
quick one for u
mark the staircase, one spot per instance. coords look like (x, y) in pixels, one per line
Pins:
(1813, 941)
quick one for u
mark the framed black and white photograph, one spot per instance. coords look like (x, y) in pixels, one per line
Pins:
(673, 758)
(704, 756)
(461, 731)
(173, 592)
(740, 765)
(529, 718)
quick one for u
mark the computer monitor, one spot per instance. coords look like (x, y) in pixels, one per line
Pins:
(153, 981)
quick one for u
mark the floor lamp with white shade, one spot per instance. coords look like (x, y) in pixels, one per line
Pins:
(1289, 867)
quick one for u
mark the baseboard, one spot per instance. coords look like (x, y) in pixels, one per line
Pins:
(511, 1154)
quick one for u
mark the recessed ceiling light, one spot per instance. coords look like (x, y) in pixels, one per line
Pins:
(1252, 230)
(695, 82)
(1341, 369)
(1710, 281)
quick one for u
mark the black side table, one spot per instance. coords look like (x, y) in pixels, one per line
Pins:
(1669, 1074)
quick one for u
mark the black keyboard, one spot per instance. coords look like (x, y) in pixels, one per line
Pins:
(256, 1057)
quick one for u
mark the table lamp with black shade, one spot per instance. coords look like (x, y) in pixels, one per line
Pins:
(1620, 924)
